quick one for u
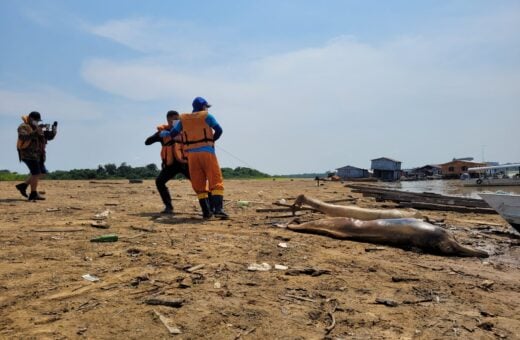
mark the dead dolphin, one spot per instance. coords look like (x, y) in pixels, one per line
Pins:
(401, 232)
(353, 211)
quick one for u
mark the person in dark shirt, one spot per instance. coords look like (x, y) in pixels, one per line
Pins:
(173, 158)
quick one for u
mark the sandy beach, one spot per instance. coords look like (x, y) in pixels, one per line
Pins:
(333, 289)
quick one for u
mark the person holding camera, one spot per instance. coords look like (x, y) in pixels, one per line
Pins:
(32, 140)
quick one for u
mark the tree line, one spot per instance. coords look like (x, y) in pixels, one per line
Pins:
(125, 171)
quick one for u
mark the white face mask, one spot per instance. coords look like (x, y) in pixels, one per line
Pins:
(34, 122)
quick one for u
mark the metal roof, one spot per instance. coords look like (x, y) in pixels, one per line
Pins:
(390, 159)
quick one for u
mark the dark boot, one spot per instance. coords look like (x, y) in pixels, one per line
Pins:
(165, 195)
(206, 210)
(210, 199)
(35, 196)
(167, 210)
(22, 188)
(218, 204)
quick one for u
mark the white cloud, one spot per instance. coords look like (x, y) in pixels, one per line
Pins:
(158, 36)
(400, 98)
(49, 101)
(422, 98)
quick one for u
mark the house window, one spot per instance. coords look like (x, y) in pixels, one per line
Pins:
(451, 169)
(464, 168)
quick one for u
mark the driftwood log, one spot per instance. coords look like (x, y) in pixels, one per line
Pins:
(425, 200)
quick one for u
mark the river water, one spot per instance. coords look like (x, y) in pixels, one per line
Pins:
(448, 187)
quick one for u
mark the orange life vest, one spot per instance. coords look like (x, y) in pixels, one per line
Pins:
(172, 149)
(195, 131)
(20, 144)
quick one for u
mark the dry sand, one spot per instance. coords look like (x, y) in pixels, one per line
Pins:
(45, 251)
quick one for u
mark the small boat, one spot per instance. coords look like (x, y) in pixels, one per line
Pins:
(498, 175)
(507, 205)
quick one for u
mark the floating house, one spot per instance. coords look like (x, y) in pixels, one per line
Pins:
(349, 171)
(429, 170)
(386, 169)
(457, 167)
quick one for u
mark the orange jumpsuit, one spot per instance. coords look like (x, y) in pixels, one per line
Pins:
(197, 136)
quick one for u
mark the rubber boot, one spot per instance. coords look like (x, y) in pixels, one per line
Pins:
(35, 196)
(218, 203)
(206, 210)
(210, 199)
(168, 210)
(165, 196)
(22, 188)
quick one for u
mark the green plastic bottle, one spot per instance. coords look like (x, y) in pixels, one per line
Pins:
(105, 238)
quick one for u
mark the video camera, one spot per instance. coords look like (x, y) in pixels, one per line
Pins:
(47, 127)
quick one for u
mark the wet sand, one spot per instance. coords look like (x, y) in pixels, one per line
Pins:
(45, 250)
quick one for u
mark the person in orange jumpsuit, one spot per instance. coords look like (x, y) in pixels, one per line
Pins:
(199, 131)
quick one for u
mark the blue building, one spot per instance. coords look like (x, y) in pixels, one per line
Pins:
(386, 169)
(348, 171)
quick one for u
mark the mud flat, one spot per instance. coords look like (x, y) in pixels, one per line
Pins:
(196, 272)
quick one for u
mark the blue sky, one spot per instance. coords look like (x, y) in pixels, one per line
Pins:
(297, 86)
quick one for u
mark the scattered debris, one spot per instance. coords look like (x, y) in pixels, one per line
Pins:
(409, 302)
(90, 278)
(249, 331)
(52, 209)
(135, 181)
(302, 298)
(102, 215)
(197, 278)
(242, 204)
(217, 285)
(486, 313)
(282, 245)
(105, 238)
(486, 325)
(133, 252)
(331, 315)
(148, 230)
(387, 302)
(486, 284)
(166, 322)
(263, 267)
(307, 271)
(195, 268)
(175, 303)
(81, 330)
(403, 279)
(112, 204)
(100, 225)
(280, 267)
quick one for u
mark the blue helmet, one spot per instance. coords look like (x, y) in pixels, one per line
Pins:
(198, 104)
